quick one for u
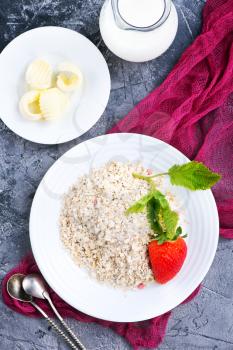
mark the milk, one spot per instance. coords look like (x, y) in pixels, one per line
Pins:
(137, 45)
(141, 13)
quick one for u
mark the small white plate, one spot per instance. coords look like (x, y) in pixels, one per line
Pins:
(74, 284)
(56, 45)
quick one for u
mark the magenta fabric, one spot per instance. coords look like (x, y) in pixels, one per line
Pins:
(146, 334)
(193, 108)
(193, 111)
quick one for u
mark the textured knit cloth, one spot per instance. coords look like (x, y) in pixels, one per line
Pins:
(193, 111)
(147, 334)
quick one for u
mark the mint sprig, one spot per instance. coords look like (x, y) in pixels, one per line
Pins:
(162, 219)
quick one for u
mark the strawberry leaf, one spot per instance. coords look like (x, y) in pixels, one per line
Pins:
(178, 233)
(193, 175)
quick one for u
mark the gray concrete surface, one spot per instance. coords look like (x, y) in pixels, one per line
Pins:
(205, 323)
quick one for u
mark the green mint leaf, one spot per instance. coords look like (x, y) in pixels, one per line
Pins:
(153, 209)
(193, 175)
(168, 219)
(140, 205)
(161, 198)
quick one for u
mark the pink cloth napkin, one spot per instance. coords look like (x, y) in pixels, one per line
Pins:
(147, 334)
(193, 111)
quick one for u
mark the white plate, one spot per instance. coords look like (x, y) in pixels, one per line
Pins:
(72, 283)
(55, 44)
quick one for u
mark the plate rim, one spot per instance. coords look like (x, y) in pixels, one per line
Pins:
(63, 297)
(61, 28)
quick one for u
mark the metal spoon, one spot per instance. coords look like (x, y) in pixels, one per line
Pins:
(34, 285)
(15, 290)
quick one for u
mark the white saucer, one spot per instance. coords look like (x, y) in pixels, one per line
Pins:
(55, 44)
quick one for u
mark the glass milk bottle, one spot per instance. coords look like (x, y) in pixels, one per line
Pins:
(138, 30)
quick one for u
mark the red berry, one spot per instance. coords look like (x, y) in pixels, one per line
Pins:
(167, 259)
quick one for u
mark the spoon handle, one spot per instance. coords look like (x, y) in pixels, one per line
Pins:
(71, 333)
(59, 331)
(55, 327)
(65, 325)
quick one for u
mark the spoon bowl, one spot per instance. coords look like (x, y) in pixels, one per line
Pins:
(34, 285)
(15, 288)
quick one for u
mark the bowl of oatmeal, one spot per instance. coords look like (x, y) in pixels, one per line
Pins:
(94, 255)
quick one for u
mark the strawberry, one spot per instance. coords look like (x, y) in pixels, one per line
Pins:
(167, 258)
